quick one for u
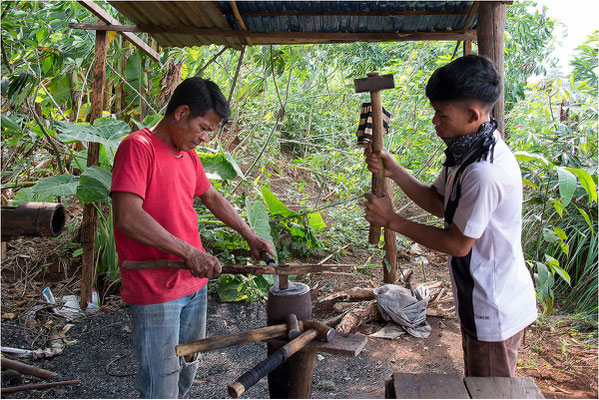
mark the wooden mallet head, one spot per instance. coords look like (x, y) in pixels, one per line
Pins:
(324, 332)
(293, 328)
(374, 83)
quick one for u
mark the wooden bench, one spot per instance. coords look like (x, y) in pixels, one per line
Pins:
(453, 386)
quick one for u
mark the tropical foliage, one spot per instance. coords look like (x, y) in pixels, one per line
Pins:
(287, 159)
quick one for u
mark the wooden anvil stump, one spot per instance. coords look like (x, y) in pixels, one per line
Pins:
(293, 378)
(295, 381)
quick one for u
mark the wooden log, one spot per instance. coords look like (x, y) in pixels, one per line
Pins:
(359, 315)
(354, 294)
(32, 219)
(490, 27)
(89, 223)
(37, 386)
(26, 368)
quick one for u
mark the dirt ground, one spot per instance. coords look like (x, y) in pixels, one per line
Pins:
(96, 349)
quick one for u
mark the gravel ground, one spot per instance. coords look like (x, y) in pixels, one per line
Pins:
(103, 361)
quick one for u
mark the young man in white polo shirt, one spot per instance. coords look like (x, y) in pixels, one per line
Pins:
(479, 194)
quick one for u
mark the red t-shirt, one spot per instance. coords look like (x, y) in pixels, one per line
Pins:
(167, 180)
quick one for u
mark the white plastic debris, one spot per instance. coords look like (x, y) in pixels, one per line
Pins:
(397, 304)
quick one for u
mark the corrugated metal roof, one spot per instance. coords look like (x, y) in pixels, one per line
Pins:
(190, 23)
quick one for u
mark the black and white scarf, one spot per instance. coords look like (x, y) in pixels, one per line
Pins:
(461, 147)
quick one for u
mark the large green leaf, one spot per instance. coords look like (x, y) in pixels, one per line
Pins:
(586, 181)
(275, 206)
(62, 185)
(219, 165)
(259, 222)
(26, 194)
(567, 185)
(316, 222)
(94, 185)
(106, 131)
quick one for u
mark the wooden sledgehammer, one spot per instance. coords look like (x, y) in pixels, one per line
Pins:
(291, 329)
(316, 329)
(374, 84)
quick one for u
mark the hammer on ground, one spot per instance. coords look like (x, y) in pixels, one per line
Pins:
(292, 329)
(374, 84)
(315, 329)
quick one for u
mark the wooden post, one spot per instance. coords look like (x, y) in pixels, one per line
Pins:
(90, 223)
(467, 47)
(489, 31)
(390, 275)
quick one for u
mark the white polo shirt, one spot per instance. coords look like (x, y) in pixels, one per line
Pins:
(493, 289)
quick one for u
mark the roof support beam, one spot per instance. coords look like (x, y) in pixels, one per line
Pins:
(111, 21)
(290, 37)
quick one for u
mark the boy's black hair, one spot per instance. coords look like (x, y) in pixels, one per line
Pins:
(200, 95)
(469, 77)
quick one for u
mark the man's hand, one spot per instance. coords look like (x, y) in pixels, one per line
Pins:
(379, 210)
(258, 246)
(373, 158)
(203, 265)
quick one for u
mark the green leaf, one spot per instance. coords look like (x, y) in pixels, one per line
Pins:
(560, 232)
(62, 185)
(26, 194)
(259, 221)
(316, 222)
(550, 236)
(233, 162)
(228, 288)
(94, 185)
(106, 131)
(567, 185)
(586, 181)
(275, 206)
(586, 218)
(9, 124)
(217, 164)
(558, 207)
(555, 267)
(526, 156)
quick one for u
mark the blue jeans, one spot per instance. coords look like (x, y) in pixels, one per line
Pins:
(158, 329)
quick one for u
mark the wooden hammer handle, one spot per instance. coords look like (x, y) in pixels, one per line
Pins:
(378, 179)
(268, 365)
(218, 342)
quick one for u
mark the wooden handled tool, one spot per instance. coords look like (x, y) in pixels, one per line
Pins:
(247, 380)
(374, 84)
(254, 335)
(287, 269)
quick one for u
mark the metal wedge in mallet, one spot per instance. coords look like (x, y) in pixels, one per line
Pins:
(374, 84)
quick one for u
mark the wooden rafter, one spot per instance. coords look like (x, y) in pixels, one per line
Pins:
(286, 36)
(110, 20)
(240, 20)
(309, 13)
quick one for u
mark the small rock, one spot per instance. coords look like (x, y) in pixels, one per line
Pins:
(442, 325)
(327, 386)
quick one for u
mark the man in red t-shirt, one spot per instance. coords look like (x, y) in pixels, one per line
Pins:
(156, 177)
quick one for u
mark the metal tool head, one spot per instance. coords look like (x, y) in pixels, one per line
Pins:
(374, 83)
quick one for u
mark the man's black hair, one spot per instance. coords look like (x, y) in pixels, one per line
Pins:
(200, 95)
(470, 77)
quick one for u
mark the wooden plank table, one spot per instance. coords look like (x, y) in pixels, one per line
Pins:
(453, 386)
